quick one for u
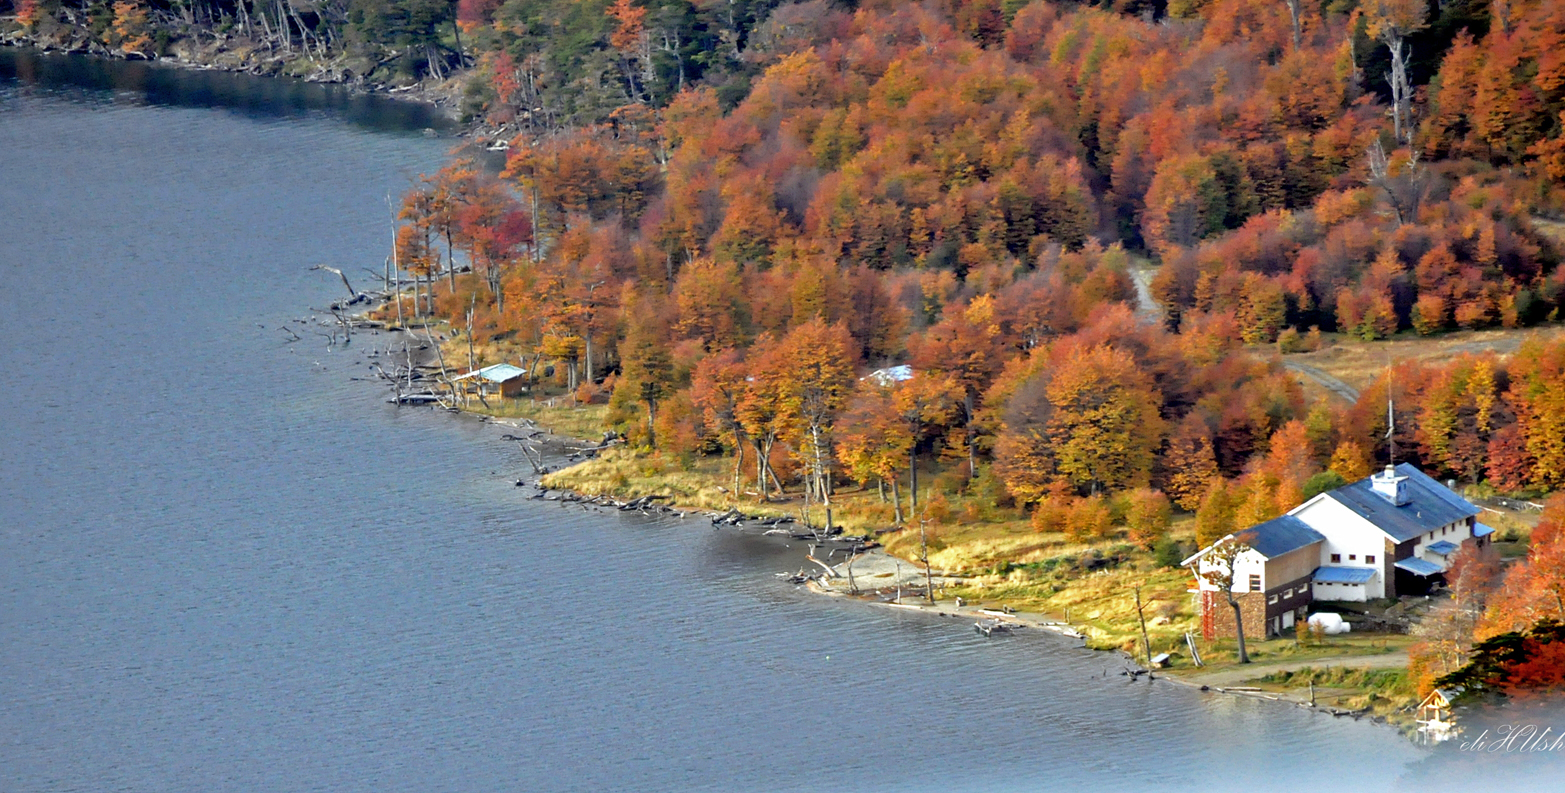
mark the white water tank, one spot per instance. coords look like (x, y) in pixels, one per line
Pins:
(1329, 624)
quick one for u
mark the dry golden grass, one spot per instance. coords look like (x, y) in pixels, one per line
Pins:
(1100, 604)
(581, 421)
(1553, 229)
(1359, 363)
(624, 473)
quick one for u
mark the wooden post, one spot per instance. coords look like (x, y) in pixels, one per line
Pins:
(923, 541)
(1195, 655)
(1146, 644)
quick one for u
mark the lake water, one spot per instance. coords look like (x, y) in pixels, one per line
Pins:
(227, 566)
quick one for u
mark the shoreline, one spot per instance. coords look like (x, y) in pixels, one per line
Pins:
(218, 57)
(815, 580)
(553, 454)
(1134, 669)
(822, 585)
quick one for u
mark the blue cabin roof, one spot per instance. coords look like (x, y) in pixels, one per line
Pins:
(1429, 506)
(1442, 547)
(1418, 566)
(1278, 536)
(1329, 574)
(496, 373)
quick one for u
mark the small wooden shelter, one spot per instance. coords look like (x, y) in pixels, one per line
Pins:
(1435, 722)
(501, 378)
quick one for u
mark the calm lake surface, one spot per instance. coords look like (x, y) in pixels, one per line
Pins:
(226, 566)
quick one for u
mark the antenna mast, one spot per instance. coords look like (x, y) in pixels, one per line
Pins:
(1391, 413)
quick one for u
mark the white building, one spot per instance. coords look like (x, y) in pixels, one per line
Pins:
(1384, 536)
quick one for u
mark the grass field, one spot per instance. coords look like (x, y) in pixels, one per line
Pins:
(1358, 363)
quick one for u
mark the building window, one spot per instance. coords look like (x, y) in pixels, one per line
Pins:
(1288, 593)
(1370, 559)
(1336, 557)
(1255, 583)
(1353, 557)
(1272, 600)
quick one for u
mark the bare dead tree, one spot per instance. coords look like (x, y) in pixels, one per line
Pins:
(352, 293)
(923, 544)
(1293, 14)
(1405, 184)
(445, 377)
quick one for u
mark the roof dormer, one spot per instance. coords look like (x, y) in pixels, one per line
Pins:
(1391, 485)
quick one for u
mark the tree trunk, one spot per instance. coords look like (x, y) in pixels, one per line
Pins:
(972, 454)
(776, 483)
(822, 474)
(450, 263)
(912, 496)
(652, 420)
(1293, 14)
(929, 577)
(896, 499)
(1244, 656)
(1400, 90)
(738, 464)
(760, 471)
(537, 229)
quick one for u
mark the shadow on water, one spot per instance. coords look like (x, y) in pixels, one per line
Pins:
(247, 95)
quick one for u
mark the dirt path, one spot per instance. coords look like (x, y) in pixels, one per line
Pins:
(1328, 382)
(1236, 675)
(1148, 310)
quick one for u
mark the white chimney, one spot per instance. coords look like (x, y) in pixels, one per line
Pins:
(1390, 485)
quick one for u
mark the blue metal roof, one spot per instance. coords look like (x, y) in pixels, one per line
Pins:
(1418, 566)
(496, 373)
(1328, 574)
(1442, 547)
(1482, 530)
(1278, 536)
(1430, 505)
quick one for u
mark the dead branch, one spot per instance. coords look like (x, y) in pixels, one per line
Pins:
(352, 293)
(830, 573)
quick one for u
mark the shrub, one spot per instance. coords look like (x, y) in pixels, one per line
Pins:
(1168, 553)
(939, 510)
(1313, 340)
(1429, 314)
(1088, 519)
(1148, 516)
(1289, 340)
(1049, 515)
(1322, 482)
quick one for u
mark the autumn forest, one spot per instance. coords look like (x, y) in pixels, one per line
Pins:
(974, 190)
(1045, 256)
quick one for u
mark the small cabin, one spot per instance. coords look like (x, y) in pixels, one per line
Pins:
(501, 378)
(1434, 715)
